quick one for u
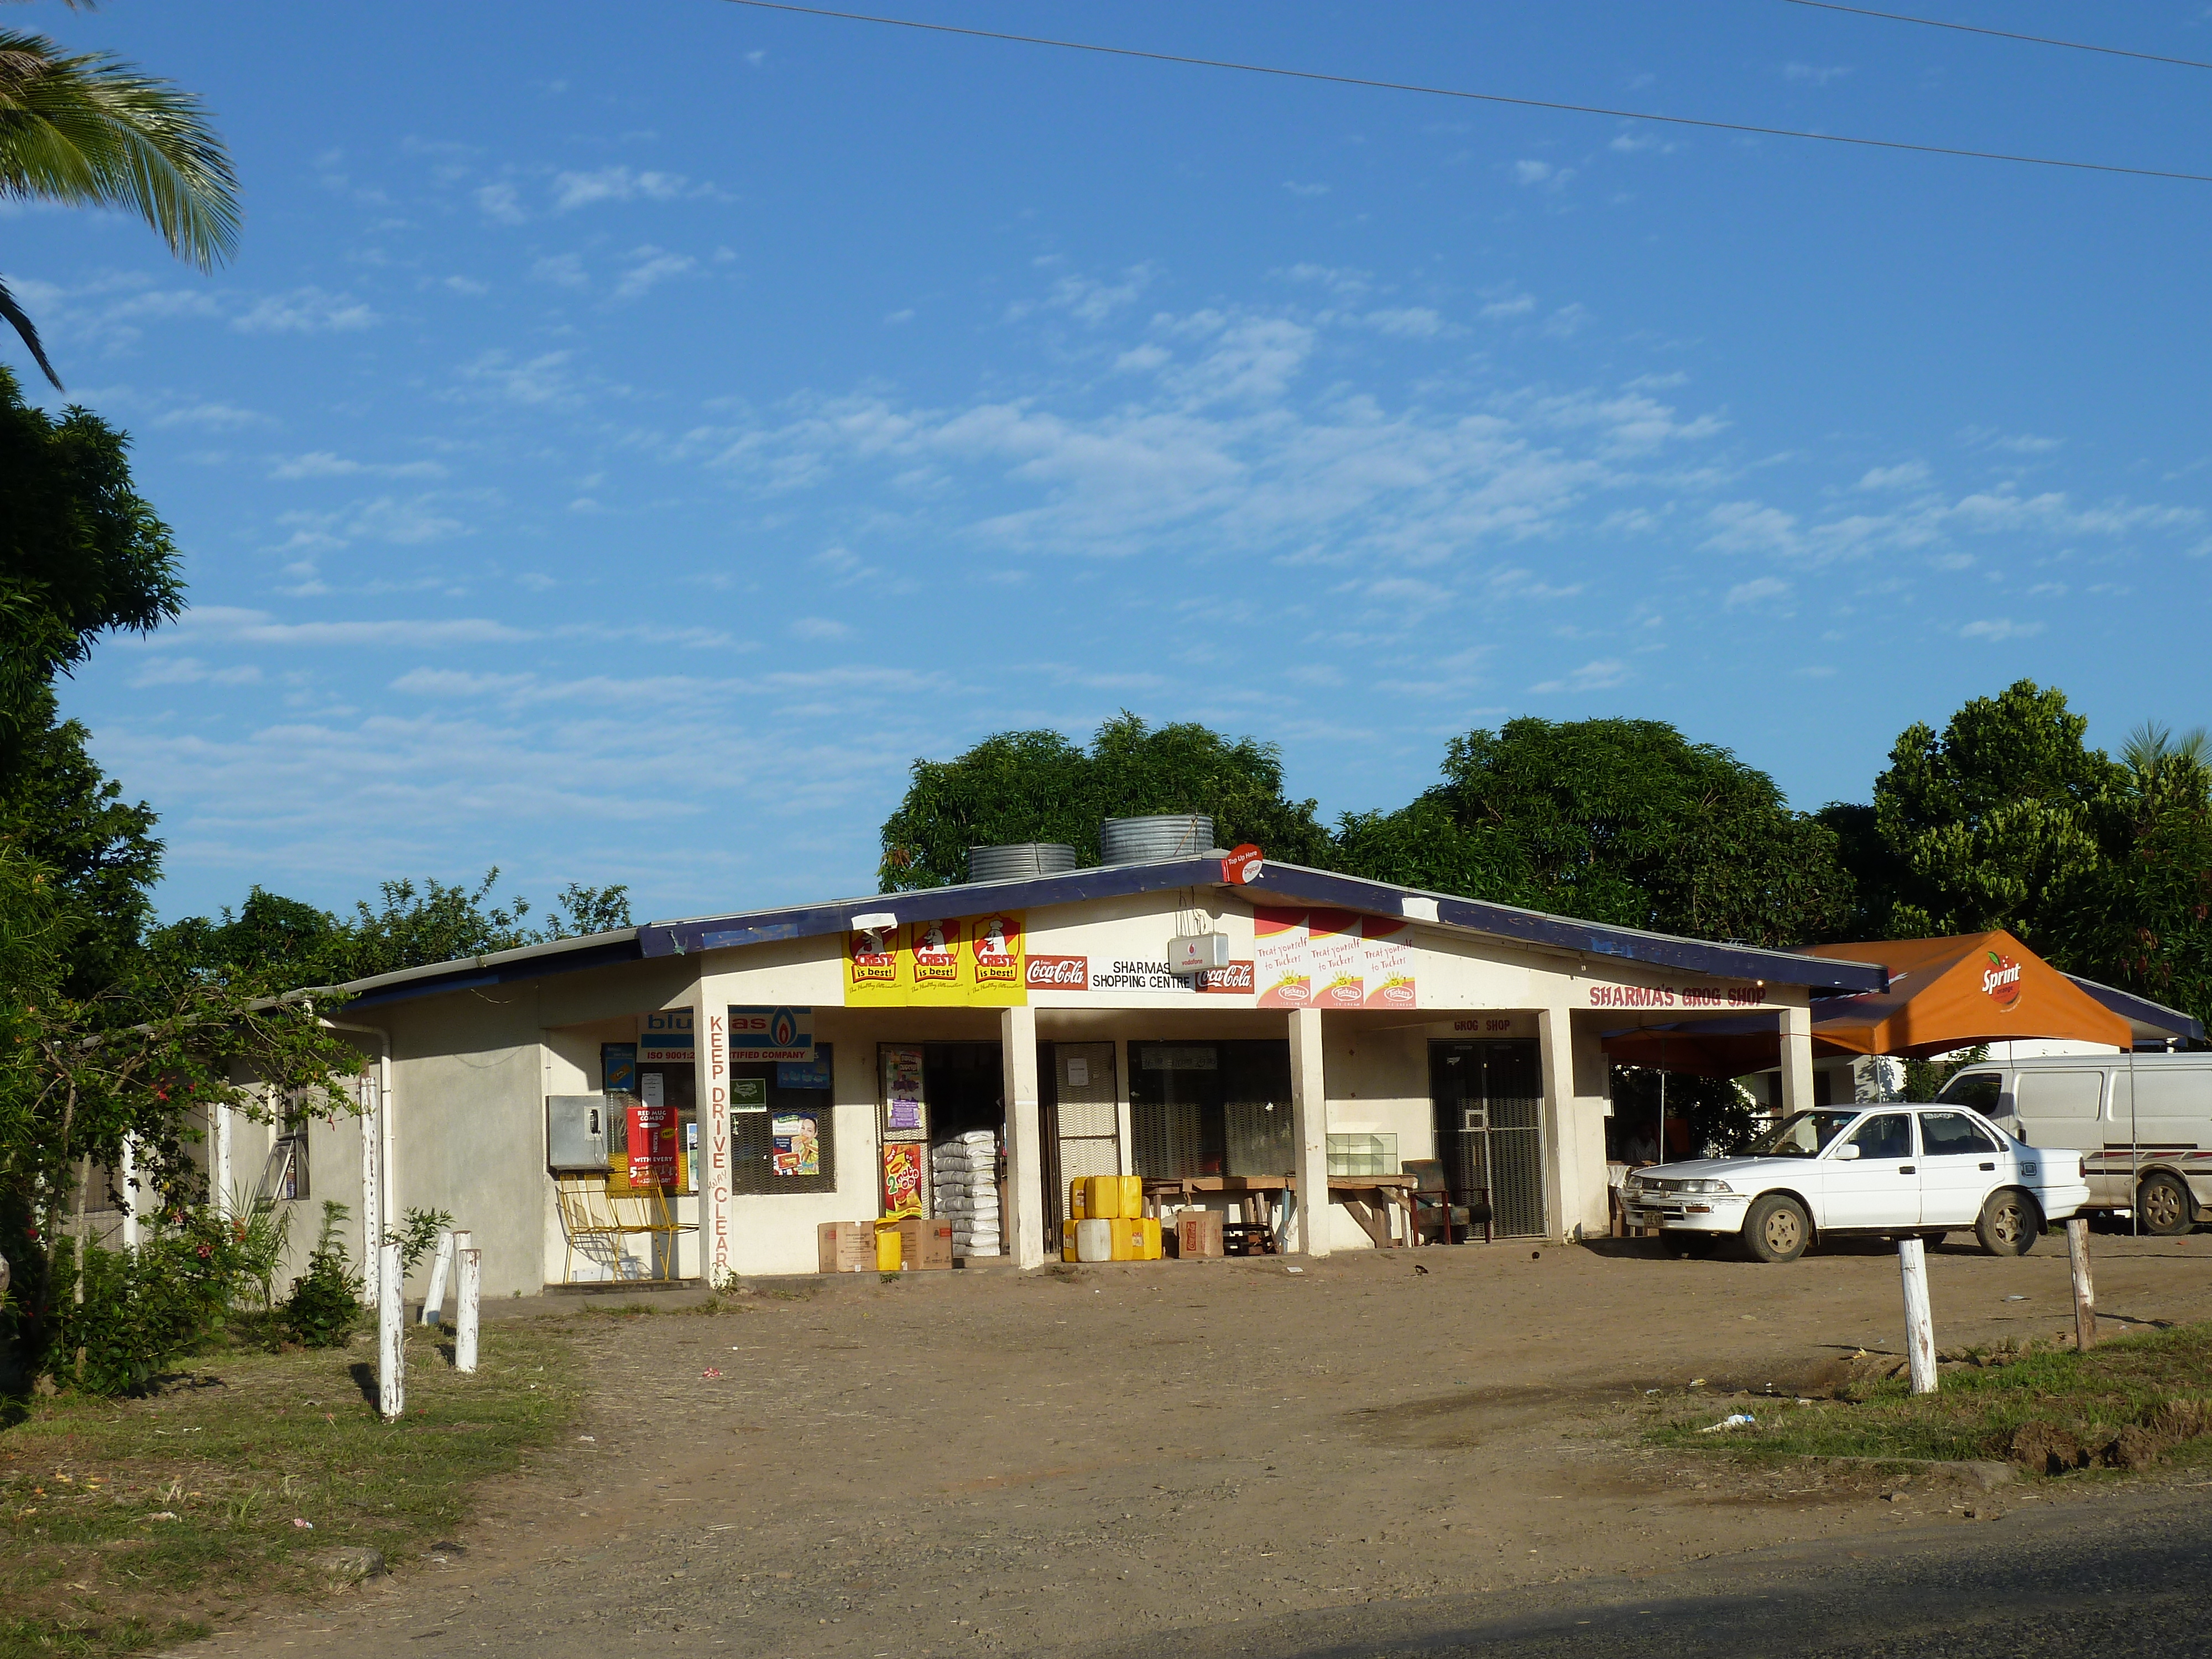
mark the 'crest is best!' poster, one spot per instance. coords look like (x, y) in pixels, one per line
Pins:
(947, 962)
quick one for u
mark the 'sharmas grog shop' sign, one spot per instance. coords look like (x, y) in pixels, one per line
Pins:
(952, 961)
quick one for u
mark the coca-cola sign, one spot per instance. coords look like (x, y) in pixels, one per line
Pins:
(1234, 981)
(1059, 973)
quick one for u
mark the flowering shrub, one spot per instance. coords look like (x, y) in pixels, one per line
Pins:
(143, 1308)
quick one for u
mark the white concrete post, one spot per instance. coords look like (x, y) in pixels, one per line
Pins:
(1919, 1322)
(2085, 1288)
(391, 1338)
(125, 1175)
(219, 1170)
(1024, 1146)
(1796, 1061)
(471, 1308)
(710, 1041)
(1562, 1172)
(371, 1185)
(441, 1263)
(1309, 1130)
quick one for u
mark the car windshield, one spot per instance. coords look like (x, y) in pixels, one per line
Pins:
(1803, 1135)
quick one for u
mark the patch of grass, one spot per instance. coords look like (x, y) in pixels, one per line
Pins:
(1979, 1408)
(234, 1450)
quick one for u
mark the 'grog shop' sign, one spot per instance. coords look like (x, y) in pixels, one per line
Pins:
(1677, 996)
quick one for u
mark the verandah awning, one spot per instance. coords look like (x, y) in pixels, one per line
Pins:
(1944, 993)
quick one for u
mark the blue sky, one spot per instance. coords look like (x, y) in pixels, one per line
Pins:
(629, 436)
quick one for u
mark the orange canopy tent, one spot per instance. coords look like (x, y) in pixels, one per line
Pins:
(1944, 993)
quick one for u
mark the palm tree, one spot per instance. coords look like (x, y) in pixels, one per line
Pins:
(2165, 771)
(91, 130)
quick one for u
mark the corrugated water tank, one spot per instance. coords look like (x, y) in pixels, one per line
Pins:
(1020, 861)
(1152, 839)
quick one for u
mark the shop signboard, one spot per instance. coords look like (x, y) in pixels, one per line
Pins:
(795, 1146)
(1333, 959)
(903, 1178)
(652, 1146)
(1109, 974)
(1676, 996)
(948, 962)
(771, 1033)
(665, 1038)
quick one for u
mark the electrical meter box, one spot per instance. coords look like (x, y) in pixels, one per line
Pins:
(1198, 953)
(576, 1133)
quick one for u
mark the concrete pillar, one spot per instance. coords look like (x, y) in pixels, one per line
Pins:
(1309, 1130)
(1564, 1174)
(1796, 1061)
(710, 1053)
(1024, 1143)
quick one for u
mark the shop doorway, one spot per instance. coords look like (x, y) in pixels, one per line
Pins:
(1081, 1131)
(934, 1099)
(1489, 1102)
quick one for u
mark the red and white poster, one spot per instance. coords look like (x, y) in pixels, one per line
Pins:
(937, 953)
(1391, 982)
(1282, 969)
(1334, 948)
(652, 1146)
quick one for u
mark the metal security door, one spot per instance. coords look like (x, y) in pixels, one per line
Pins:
(1489, 1102)
(1085, 1132)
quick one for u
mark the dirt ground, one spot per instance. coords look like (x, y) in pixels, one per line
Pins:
(994, 1462)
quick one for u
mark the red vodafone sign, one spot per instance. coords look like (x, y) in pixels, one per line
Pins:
(2001, 981)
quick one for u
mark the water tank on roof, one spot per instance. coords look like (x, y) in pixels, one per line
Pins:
(1153, 840)
(1021, 861)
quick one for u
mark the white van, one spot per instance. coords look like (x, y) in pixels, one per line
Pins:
(2143, 1123)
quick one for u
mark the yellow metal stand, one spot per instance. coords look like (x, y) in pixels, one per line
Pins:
(595, 1219)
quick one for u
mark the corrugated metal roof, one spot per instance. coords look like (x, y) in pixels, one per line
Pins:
(1283, 883)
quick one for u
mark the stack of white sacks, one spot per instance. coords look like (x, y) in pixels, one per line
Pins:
(964, 1175)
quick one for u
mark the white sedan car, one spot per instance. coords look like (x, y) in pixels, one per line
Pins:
(1895, 1171)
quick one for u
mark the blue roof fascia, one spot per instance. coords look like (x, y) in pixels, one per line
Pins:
(477, 974)
(2141, 1011)
(1290, 881)
(1564, 933)
(926, 904)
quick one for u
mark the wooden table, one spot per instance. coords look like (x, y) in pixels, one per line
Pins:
(1369, 1198)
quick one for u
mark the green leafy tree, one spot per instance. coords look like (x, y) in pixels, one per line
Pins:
(2144, 921)
(1616, 821)
(1038, 786)
(91, 130)
(80, 553)
(1999, 821)
(296, 944)
(62, 814)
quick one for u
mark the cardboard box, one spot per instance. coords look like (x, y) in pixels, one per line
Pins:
(1198, 1232)
(925, 1244)
(845, 1247)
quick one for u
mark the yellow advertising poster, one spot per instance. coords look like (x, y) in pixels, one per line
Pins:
(952, 961)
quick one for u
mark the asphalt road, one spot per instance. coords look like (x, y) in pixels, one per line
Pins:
(2130, 1577)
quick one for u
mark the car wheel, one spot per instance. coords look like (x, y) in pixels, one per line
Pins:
(1778, 1228)
(2010, 1223)
(2164, 1203)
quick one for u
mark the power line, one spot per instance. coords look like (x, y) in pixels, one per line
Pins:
(2001, 34)
(1475, 97)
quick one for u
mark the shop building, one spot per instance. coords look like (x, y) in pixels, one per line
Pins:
(748, 1077)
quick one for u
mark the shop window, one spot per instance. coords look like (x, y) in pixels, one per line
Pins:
(783, 1135)
(284, 1176)
(1207, 1109)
